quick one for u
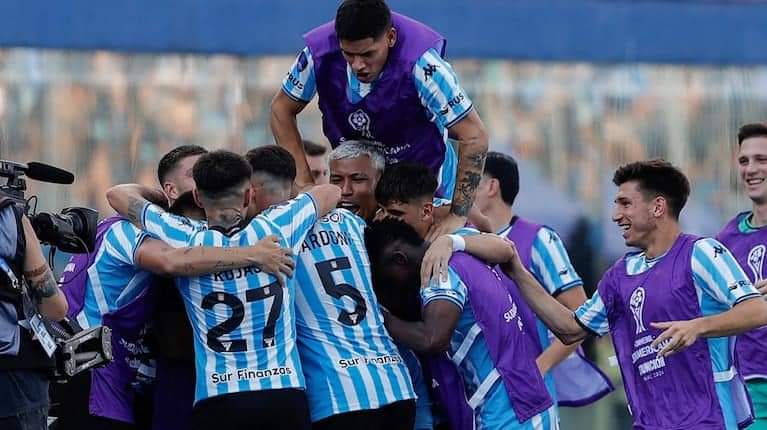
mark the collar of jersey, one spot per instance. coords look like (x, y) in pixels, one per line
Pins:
(356, 90)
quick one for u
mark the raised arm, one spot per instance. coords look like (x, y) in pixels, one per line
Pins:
(284, 111)
(556, 316)
(162, 259)
(50, 300)
(326, 197)
(472, 140)
(488, 247)
(128, 200)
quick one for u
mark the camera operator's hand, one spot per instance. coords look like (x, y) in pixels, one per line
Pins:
(50, 301)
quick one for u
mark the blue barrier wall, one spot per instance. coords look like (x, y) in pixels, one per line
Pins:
(680, 31)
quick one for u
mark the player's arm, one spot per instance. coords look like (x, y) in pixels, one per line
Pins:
(554, 314)
(488, 247)
(129, 200)
(50, 300)
(557, 351)
(162, 259)
(716, 273)
(325, 197)
(297, 90)
(430, 336)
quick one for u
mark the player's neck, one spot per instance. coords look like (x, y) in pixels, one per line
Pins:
(758, 215)
(225, 218)
(499, 216)
(663, 239)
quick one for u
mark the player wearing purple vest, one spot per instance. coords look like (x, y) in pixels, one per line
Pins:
(576, 382)
(671, 308)
(381, 76)
(746, 237)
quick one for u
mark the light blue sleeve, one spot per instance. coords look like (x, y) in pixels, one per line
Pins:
(294, 219)
(452, 290)
(300, 83)
(122, 240)
(716, 273)
(175, 230)
(551, 265)
(593, 315)
(439, 89)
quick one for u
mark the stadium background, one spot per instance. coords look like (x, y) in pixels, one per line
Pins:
(571, 88)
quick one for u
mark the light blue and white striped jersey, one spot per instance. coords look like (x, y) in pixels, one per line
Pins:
(494, 411)
(440, 93)
(550, 265)
(424, 417)
(243, 320)
(350, 361)
(720, 284)
(113, 278)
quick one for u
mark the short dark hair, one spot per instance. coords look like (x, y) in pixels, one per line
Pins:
(169, 161)
(217, 173)
(360, 19)
(274, 160)
(504, 168)
(755, 129)
(657, 177)
(314, 149)
(404, 182)
(403, 304)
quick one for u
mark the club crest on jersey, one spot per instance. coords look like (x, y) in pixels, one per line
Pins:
(756, 261)
(636, 303)
(360, 121)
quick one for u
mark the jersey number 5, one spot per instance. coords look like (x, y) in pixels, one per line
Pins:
(238, 314)
(336, 291)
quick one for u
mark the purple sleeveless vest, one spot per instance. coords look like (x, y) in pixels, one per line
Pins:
(578, 381)
(750, 251)
(510, 348)
(112, 386)
(391, 113)
(677, 391)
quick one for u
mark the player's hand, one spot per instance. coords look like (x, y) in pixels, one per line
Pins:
(434, 264)
(446, 225)
(761, 286)
(513, 265)
(273, 259)
(678, 334)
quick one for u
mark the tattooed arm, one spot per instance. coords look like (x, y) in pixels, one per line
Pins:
(50, 301)
(129, 199)
(472, 149)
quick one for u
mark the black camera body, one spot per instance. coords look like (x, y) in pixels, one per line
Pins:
(73, 231)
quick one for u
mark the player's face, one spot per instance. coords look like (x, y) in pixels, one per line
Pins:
(398, 280)
(752, 168)
(419, 214)
(357, 178)
(318, 165)
(367, 57)
(180, 180)
(634, 214)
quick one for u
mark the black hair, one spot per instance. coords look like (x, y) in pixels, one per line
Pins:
(169, 161)
(503, 168)
(404, 182)
(183, 203)
(360, 19)
(314, 149)
(274, 160)
(756, 129)
(403, 304)
(218, 173)
(657, 177)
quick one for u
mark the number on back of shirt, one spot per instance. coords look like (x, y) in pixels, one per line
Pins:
(337, 290)
(237, 308)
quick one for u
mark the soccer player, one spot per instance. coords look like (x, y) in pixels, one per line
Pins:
(578, 381)
(112, 287)
(746, 237)
(671, 308)
(317, 160)
(247, 367)
(472, 321)
(381, 76)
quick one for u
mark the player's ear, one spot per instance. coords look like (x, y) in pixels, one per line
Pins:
(170, 190)
(197, 200)
(391, 37)
(427, 212)
(247, 197)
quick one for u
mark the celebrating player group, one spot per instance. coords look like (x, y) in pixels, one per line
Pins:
(389, 284)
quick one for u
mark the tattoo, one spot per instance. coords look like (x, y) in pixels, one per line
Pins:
(466, 190)
(226, 219)
(135, 207)
(34, 273)
(478, 160)
(44, 287)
